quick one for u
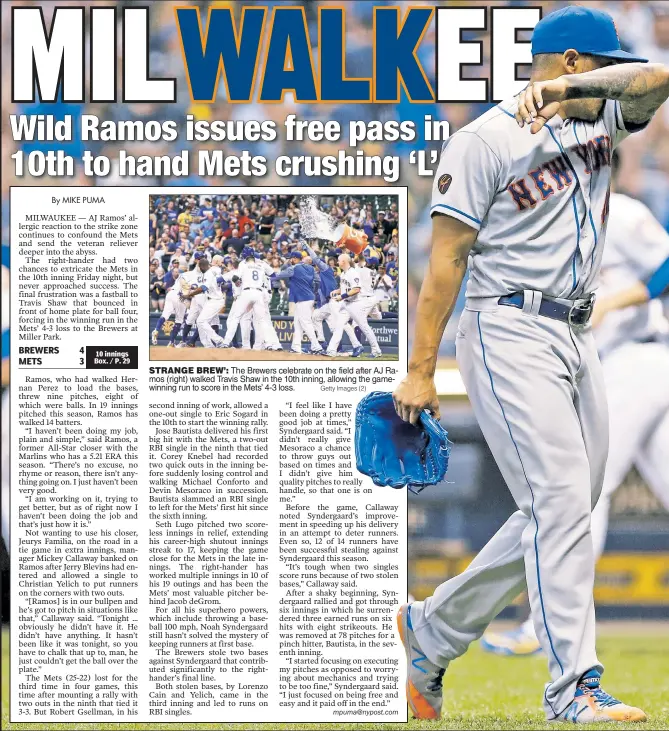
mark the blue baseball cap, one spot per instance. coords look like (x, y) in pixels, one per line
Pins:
(586, 30)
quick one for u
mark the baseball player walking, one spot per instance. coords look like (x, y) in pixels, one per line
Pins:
(301, 292)
(522, 193)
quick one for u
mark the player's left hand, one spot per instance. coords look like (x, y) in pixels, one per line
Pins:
(539, 102)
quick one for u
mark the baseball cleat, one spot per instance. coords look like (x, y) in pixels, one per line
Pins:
(223, 345)
(181, 345)
(424, 678)
(320, 351)
(154, 337)
(376, 355)
(170, 345)
(592, 705)
(357, 352)
(519, 642)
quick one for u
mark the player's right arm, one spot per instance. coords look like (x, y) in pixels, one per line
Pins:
(468, 178)
(640, 88)
(452, 241)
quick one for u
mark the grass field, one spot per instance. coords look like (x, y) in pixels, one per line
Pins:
(161, 352)
(486, 692)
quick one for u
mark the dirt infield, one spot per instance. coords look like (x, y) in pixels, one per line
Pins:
(161, 352)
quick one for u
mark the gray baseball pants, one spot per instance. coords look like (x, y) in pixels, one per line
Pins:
(536, 388)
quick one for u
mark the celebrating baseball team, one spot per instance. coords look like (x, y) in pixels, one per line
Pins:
(557, 320)
(262, 272)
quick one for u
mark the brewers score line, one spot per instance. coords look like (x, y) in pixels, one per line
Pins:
(264, 53)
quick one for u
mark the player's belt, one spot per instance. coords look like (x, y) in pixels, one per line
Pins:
(575, 312)
(359, 298)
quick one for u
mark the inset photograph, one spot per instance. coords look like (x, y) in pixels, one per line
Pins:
(253, 276)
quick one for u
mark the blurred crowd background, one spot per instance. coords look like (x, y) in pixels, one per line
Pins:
(184, 227)
(446, 525)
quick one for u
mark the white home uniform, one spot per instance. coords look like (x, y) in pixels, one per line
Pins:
(357, 307)
(210, 311)
(634, 347)
(174, 305)
(235, 309)
(367, 287)
(383, 286)
(539, 204)
(251, 298)
(196, 278)
(332, 312)
(266, 336)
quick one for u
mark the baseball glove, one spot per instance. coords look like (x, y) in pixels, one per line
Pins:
(395, 453)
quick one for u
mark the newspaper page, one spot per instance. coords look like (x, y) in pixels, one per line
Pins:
(377, 434)
(190, 530)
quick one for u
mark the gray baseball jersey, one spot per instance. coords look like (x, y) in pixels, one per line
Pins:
(539, 202)
(540, 205)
